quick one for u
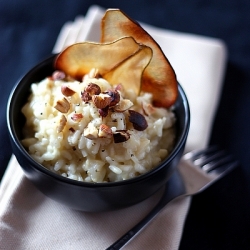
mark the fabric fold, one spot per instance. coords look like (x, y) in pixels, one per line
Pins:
(30, 220)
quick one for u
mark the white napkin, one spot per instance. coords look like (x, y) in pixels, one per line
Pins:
(29, 220)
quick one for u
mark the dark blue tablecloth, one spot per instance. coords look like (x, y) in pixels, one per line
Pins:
(219, 218)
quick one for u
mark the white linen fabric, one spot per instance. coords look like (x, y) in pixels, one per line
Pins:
(30, 220)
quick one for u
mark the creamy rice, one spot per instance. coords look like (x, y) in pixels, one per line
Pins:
(71, 144)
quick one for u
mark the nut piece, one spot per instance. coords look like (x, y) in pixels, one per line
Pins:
(91, 132)
(93, 89)
(101, 101)
(62, 124)
(115, 97)
(123, 105)
(105, 131)
(66, 91)
(72, 130)
(89, 91)
(85, 96)
(63, 105)
(150, 110)
(77, 117)
(138, 120)
(58, 75)
(120, 136)
(104, 112)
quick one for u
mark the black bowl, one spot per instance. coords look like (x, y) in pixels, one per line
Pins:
(81, 195)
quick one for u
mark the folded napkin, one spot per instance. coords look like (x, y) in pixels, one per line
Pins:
(30, 220)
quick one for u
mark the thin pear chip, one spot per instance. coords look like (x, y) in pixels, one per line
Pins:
(159, 77)
(78, 59)
(129, 72)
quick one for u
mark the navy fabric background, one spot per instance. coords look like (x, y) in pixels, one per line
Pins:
(219, 218)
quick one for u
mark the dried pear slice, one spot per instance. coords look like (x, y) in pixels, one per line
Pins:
(129, 72)
(78, 59)
(159, 77)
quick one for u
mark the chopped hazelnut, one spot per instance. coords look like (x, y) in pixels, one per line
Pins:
(63, 105)
(138, 120)
(105, 131)
(89, 91)
(93, 89)
(115, 97)
(66, 91)
(85, 96)
(62, 124)
(119, 87)
(58, 75)
(77, 117)
(123, 105)
(120, 136)
(101, 101)
(104, 112)
(72, 129)
(91, 132)
(148, 109)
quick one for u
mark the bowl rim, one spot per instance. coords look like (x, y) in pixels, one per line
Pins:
(44, 170)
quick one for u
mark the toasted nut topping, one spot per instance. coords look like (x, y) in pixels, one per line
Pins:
(123, 105)
(89, 91)
(58, 75)
(104, 112)
(91, 132)
(72, 129)
(101, 101)
(105, 131)
(62, 124)
(77, 117)
(148, 109)
(115, 97)
(120, 136)
(66, 91)
(138, 120)
(63, 105)
(119, 87)
(93, 89)
(85, 96)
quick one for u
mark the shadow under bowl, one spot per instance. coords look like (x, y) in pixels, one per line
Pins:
(90, 197)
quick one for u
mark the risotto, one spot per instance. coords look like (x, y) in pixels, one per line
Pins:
(92, 131)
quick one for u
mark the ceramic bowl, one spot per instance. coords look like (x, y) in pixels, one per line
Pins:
(91, 197)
